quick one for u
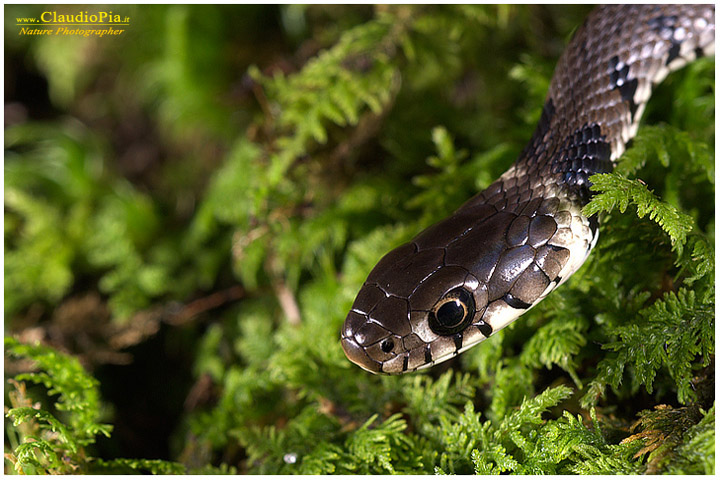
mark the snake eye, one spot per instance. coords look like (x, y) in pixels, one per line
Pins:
(453, 312)
(387, 345)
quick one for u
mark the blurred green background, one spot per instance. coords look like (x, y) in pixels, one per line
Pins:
(191, 206)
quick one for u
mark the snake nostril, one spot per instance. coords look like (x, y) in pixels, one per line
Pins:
(387, 345)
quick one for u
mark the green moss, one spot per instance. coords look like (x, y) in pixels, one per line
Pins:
(336, 157)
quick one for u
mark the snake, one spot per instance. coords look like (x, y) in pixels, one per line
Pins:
(466, 277)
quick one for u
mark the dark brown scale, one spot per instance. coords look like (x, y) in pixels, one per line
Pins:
(370, 333)
(511, 184)
(403, 276)
(353, 323)
(416, 358)
(513, 198)
(412, 341)
(454, 228)
(531, 207)
(367, 299)
(488, 242)
(517, 234)
(498, 201)
(549, 206)
(551, 260)
(525, 196)
(389, 261)
(542, 228)
(439, 281)
(530, 284)
(511, 264)
(507, 246)
(519, 207)
(397, 307)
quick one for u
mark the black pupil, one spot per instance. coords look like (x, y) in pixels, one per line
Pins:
(450, 314)
(453, 312)
(387, 346)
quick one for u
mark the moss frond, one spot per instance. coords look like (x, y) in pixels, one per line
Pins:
(277, 152)
(616, 192)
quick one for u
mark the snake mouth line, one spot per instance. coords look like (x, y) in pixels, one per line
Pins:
(357, 355)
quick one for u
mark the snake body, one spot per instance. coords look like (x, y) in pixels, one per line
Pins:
(505, 249)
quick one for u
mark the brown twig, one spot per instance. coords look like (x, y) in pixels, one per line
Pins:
(204, 304)
(288, 303)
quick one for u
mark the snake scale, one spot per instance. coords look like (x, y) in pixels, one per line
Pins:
(505, 249)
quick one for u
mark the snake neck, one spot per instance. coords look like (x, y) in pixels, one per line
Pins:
(601, 86)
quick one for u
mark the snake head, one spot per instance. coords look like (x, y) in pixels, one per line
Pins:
(459, 281)
(413, 311)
